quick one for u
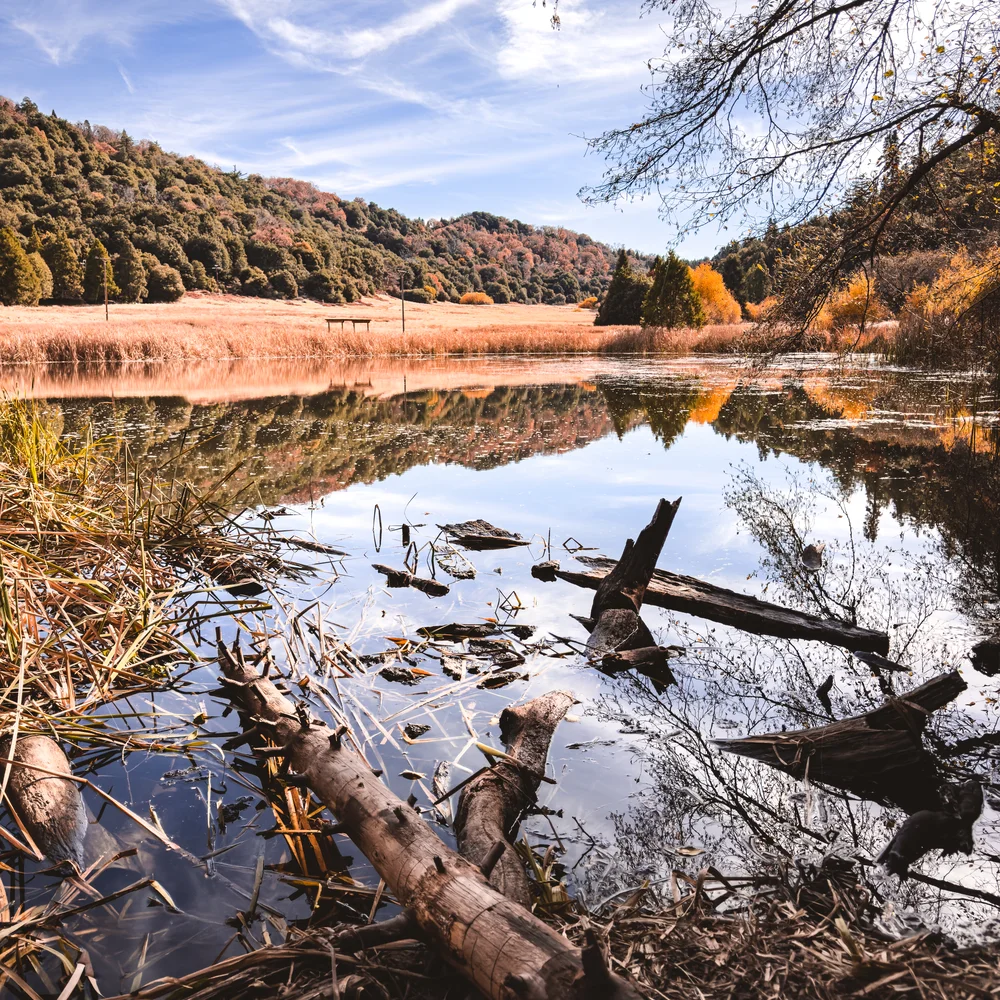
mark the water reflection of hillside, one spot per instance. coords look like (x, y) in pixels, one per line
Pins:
(918, 445)
(292, 448)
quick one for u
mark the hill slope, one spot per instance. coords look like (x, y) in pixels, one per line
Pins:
(260, 236)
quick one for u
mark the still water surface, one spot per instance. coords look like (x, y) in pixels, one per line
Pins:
(895, 471)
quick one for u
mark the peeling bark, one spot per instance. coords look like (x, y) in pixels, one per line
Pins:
(500, 947)
(491, 807)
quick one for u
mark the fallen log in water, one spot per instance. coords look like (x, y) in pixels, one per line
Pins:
(696, 597)
(404, 578)
(495, 943)
(877, 755)
(49, 808)
(491, 806)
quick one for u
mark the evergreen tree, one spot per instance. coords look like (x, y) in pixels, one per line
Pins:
(672, 300)
(19, 284)
(67, 275)
(34, 243)
(622, 305)
(37, 261)
(130, 275)
(125, 146)
(99, 275)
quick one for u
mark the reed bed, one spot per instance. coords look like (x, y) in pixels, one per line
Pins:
(94, 555)
(207, 327)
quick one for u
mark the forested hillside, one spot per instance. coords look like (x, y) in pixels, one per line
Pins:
(86, 203)
(955, 208)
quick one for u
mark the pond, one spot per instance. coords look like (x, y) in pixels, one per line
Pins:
(894, 471)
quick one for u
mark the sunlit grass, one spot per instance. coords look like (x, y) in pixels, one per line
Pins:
(221, 327)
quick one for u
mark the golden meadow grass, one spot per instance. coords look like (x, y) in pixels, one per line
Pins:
(206, 327)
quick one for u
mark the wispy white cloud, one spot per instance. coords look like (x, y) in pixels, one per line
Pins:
(326, 39)
(61, 27)
(125, 78)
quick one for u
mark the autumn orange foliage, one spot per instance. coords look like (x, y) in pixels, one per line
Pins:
(476, 299)
(717, 301)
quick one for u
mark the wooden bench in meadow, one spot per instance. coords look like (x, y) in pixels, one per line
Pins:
(347, 319)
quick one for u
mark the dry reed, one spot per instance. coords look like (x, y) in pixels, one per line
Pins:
(207, 327)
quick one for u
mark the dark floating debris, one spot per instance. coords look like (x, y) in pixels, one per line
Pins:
(546, 571)
(456, 632)
(653, 661)
(402, 675)
(948, 831)
(986, 656)
(812, 557)
(453, 562)
(312, 546)
(480, 534)
(823, 693)
(403, 578)
(414, 730)
(500, 652)
(877, 662)
(501, 680)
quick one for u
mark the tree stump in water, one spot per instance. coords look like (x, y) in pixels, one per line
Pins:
(877, 755)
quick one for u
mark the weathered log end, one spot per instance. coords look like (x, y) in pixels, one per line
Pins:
(625, 586)
(490, 808)
(50, 808)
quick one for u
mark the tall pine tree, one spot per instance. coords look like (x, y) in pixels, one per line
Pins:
(19, 284)
(98, 272)
(37, 261)
(622, 304)
(67, 275)
(672, 300)
(130, 275)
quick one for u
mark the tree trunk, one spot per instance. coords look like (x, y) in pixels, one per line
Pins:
(504, 950)
(878, 755)
(491, 806)
(696, 597)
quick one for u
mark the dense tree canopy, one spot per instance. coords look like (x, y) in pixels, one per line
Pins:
(66, 185)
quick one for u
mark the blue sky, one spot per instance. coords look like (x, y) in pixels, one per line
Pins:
(435, 107)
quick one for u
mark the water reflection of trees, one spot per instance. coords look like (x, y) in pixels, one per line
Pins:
(930, 464)
(297, 447)
(745, 816)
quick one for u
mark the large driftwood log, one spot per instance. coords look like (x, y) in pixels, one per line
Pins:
(696, 597)
(878, 755)
(491, 806)
(50, 808)
(494, 942)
